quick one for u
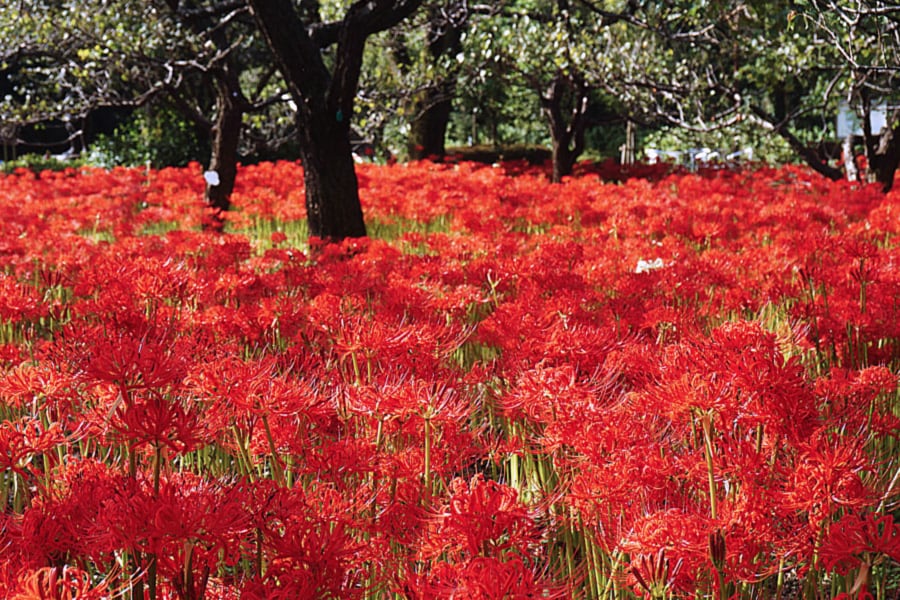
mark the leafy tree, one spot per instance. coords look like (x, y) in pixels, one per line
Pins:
(62, 59)
(860, 43)
(433, 103)
(409, 79)
(325, 96)
(70, 58)
(550, 48)
(223, 29)
(782, 66)
(155, 134)
(681, 64)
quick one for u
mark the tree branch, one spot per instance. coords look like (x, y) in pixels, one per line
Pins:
(809, 155)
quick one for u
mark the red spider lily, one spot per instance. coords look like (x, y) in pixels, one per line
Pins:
(670, 550)
(17, 301)
(483, 578)
(42, 383)
(150, 357)
(60, 520)
(859, 399)
(160, 421)
(402, 395)
(829, 476)
(739, 376)
(186, 528)
(642, 395)
(23, 440)
(309, 543)
(656, 574)
(855, 541)
(66, 583)
(481, 518)
(263, 402)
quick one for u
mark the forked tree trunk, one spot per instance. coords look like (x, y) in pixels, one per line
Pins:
(324, 96)
(565, 95)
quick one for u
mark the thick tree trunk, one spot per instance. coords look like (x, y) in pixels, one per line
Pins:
(332, 189)
(883, 157)
(563, 159)
(428, 131)
(324, 99)
(226, 134)
(567, 135)
(562, 164)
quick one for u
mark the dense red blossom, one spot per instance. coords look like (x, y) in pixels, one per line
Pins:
(640, 381)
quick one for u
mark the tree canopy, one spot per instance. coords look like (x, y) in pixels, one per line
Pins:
(412, 76)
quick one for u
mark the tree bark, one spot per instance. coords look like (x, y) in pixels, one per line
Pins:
(628, 148)
(882, 149)
(885, 159)
(428, 131)
(848, 149)
(325, 101)
(333, 209)
(231, 104)
(226, 135)
(567, 136)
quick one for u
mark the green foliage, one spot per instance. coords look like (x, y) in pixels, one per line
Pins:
(158, 137)
(492, 111)
(695, 74)
(67, 56)
(40, 162)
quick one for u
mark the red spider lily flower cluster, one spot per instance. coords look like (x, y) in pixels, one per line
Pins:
(631, 384)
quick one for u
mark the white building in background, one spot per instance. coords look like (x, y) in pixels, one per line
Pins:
(849, 123)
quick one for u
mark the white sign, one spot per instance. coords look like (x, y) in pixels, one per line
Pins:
(212, 178)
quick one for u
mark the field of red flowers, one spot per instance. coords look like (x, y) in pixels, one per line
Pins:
(674, 386)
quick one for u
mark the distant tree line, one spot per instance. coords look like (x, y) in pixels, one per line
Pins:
(313, 78)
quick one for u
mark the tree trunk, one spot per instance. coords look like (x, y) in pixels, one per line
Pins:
(809, 155)
(882, 148)
(428, 130)
(226, 134)
(332, 189)
(628, 148)
(883, 157)
(325, 99)
(567, 137)
(225, 130)
(848, 149)
(563, 159)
